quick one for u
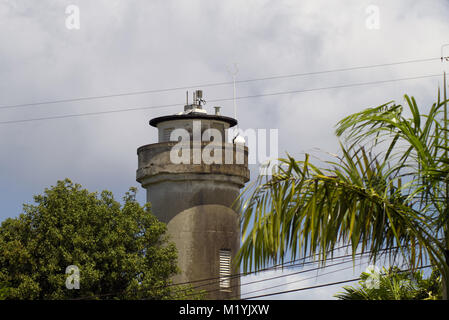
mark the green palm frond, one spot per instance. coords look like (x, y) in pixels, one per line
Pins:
(310, 210)
(386, 194)
(394, 284)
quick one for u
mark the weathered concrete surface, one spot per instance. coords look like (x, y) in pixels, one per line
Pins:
(154, 159)
(195, 200)
(199, 233)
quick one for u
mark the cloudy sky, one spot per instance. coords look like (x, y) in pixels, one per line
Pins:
(136, 45)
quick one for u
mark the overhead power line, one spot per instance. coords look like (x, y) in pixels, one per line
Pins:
(318, 286)
(222, 99)
(284, 265)
(300, 280)
(272, 268)
(358, 255)
(287, 264)
(275, 277)
(214, 280)
(215, 84)
(302, 289)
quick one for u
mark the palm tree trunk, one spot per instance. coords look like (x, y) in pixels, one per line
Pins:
(445, 274)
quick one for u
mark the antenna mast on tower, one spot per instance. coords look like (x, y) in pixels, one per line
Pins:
(446, 229)
(234, 74)
(237, 139)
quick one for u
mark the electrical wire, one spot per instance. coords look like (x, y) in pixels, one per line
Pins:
(356, 255)
(291, 263)
(302, 289)
(275, 277)
(296, 281)
(220, 100)
(262, 280)
(217, 83)
(319, 286)
(217, 279)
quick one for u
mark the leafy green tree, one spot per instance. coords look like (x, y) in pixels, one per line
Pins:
(387, 195)
(3, 291)
(122, 252)
(393, 284)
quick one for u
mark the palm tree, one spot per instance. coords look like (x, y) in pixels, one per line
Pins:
(394, 284)
(386, 195)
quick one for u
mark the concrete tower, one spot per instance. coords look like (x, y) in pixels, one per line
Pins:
(192, 177)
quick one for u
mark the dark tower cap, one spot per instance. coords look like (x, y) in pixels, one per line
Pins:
(193, 115)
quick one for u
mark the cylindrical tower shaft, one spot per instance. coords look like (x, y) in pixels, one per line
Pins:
(196, 200)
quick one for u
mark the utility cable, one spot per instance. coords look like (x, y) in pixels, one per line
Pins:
(274, 278)
(217, 279)
(220, 100)
(205, 85)
(356, 255)
(266, 269)
(319, 286)
(300, 280)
